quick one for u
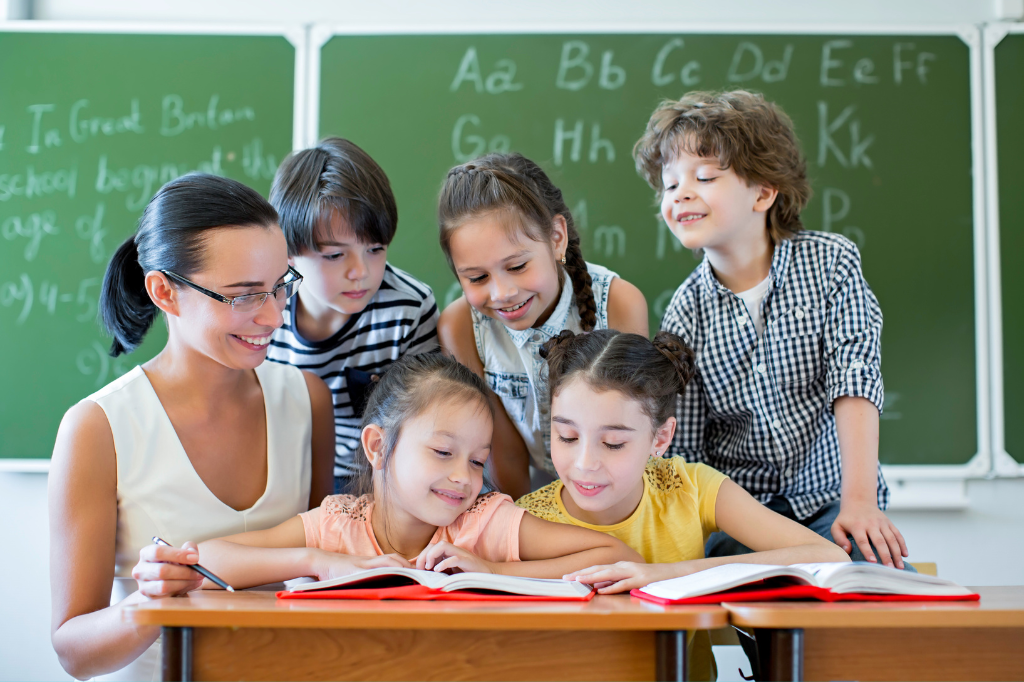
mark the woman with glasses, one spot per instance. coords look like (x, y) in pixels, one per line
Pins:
(202, 441)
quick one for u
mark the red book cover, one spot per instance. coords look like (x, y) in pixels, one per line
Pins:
(418, 592)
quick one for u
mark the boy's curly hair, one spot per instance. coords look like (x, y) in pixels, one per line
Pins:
(746, 133)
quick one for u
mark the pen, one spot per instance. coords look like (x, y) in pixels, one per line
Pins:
(197, 568)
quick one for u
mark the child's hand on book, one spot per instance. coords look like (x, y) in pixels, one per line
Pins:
(330, 565)
(446, 557)
(866, 522)
(627, 575)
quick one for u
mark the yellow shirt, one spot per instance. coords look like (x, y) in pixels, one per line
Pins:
(673, 520)
(671, 523)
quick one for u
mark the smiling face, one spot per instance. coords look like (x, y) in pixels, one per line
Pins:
(236, 261)
(709, 207)
(600, 444)
(342, 276)
(505, 274)
(436, 470)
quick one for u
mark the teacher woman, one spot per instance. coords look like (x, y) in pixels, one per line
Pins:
(202, 441)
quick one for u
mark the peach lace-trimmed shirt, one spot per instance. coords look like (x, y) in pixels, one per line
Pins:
(488, 529)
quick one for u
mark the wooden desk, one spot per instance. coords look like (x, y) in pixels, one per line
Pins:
(890, 640)
(253, 636)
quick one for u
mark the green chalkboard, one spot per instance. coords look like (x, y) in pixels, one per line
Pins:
(885, 122)
(1009, 72)
(91, 124)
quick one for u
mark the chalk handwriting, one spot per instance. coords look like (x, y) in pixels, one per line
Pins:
(743, 68)
(255, 163)
(611, 240)
(575, 70)
(32, 184)
(501, 79)
(662, 301)
(475, 145)
(174, 120)
(90, 228)
(665, 237)
(95, 360)
(147, 178)
(13, 292)
(689, 75)
(863, 69)
(50, 137)
(83, 128)
(34, 227)
(597, 143)
(919, 65)
(49, 297)
(836, 206)
(826, 143)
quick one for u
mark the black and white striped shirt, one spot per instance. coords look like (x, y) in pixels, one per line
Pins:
(400, 319)
(760, 409)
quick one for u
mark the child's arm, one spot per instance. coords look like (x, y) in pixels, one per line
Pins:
(774, 539)
(509, 463)
(859, 515)
(546, 550)
(277, 554)
(627, 308)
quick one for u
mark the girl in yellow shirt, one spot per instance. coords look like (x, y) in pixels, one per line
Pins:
(613, 398)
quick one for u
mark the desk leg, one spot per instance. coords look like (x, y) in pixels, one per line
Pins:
(781, 654)
(670, 650)
(186, 655)
(176, 654)
(170, 654)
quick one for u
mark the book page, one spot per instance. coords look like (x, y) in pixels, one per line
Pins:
(722, 578)
(542, 587)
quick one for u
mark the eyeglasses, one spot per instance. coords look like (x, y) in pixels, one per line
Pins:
(248, 302)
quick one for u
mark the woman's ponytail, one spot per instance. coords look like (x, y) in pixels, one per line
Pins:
(125, 307)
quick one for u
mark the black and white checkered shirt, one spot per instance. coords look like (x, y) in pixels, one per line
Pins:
(760, 409)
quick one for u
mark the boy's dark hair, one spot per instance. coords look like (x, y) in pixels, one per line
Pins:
(336, 176)
(652, 373)
(171, 235)
(521, 193)
(748, 134)
(406, 389)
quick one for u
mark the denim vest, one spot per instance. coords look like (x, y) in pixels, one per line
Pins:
(515, 371)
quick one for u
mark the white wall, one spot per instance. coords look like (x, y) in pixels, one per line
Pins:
(983, 545)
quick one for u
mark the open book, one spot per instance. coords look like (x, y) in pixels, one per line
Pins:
(858, 581)
(411, 583)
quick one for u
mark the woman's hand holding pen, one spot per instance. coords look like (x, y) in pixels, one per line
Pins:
(164, 571)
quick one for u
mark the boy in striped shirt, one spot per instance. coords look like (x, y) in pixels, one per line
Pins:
(787, 332)
(354, 314)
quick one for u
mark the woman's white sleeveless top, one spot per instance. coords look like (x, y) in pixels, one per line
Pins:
(518, 375)
(159, 492)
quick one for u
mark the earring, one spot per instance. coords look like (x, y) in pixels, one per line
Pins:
(563, 260)
(657, 454)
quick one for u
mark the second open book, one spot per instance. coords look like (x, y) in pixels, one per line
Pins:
(410, 583)
(858, 581)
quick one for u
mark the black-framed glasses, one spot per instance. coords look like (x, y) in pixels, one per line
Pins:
(248, 302)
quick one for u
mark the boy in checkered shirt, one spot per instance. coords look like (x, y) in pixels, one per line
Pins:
(786, 330)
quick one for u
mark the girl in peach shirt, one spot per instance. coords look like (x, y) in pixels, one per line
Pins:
(425, 439)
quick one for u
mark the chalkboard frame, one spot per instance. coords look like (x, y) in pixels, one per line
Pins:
(1004, 463)
(296, 34)
(925, 486)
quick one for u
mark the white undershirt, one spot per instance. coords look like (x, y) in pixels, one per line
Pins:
(752, 298)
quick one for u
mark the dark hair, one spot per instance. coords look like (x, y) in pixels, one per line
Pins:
(521, 192)
(404, 391)
(171, 236)
(336, 176)
(650, 372)
(748, 134)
